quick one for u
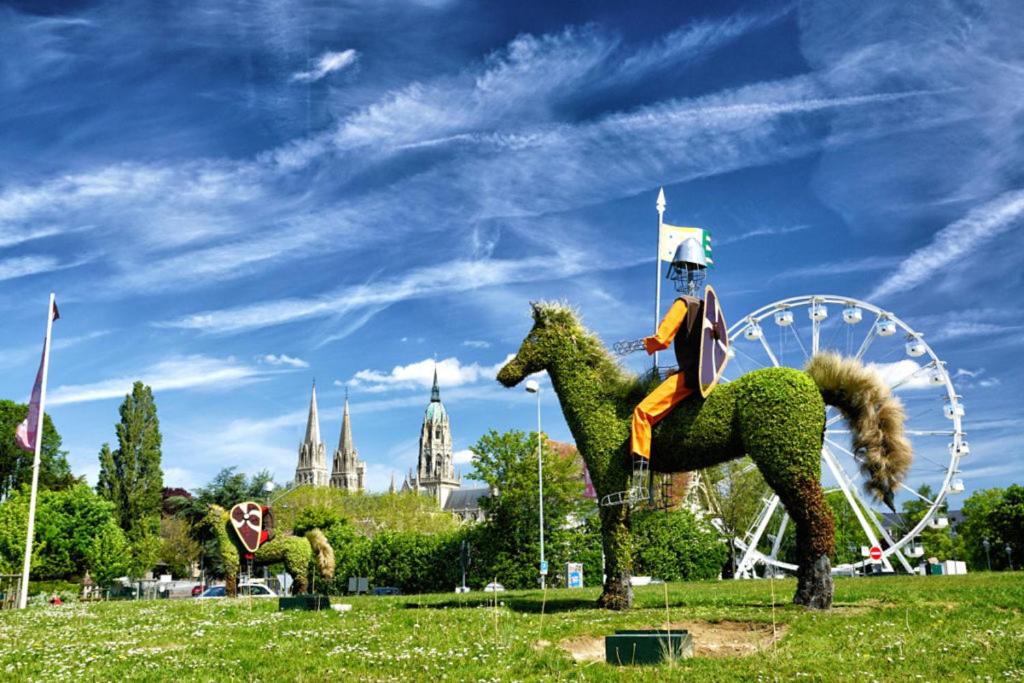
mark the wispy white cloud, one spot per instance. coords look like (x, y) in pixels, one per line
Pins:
(454, 276)
(476, 344)
(840, 267)
(283, 359)
(185, 372)
(955, 242)
(10, 238)
(463, 457)
(910, 375)
(325, 64)
(21, 266)
(30, 353)
(761, 232)
(450, 373)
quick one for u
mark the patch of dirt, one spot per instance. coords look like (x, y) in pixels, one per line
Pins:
(721, 639)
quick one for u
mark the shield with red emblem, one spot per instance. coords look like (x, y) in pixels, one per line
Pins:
(247, 518)
(714, 343)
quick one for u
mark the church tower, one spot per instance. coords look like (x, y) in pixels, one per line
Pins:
(312, 467)
(435, 471)
(348, 471)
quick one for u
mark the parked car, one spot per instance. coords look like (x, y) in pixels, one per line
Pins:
(386, 590)
(197, 590)
(493, 587)
(254, 590)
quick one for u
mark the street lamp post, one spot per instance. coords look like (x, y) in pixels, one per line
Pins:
(986, 545)
(1009, 556)
(534, 388)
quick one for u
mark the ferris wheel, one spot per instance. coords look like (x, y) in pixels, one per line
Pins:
(787, 333)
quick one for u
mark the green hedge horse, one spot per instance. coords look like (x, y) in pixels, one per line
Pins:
(295, 552)
(774, 415)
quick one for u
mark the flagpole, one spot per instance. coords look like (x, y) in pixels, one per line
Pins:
(27, 567)
(657, 270)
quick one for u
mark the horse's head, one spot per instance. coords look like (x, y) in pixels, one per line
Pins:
(552, 323)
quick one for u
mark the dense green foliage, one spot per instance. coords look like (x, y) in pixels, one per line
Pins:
(995, 515)
(66, 522)
(226, 489)
(948, 628)
(130, 475)
(108, 555)
(16, 464)
(369, 513)
(178, 549)
(507, 463)
(676, 546)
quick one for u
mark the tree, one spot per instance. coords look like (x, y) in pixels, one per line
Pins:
(676, 546)
(108, 556)
(1008, 522)
(16, 464)
(508, 464)
(978, 527)
(178, 549)
(144, 552)
(130, 476)
(735, 492)
(66, 522)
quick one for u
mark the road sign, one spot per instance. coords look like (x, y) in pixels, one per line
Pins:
(544, 568)
(574, 574)
(876, 553)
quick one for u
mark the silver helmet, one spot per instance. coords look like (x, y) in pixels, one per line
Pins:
(689, 266)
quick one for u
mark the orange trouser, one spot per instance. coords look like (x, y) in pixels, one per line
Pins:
(653, 409)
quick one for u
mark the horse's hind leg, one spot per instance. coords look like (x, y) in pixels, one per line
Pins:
(815, 539)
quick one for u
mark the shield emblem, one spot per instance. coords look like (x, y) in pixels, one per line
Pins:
(714, 343)
(247, 518)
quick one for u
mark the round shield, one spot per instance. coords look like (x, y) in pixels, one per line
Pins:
(247, 519)
(714, 343)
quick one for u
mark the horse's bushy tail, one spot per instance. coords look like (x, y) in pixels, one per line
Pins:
(876, 419)
(323, 553)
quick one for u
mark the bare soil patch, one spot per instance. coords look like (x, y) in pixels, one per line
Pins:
(720, 639)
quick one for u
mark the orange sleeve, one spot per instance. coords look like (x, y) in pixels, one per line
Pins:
(668, 328)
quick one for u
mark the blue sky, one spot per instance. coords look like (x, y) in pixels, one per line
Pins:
(230, 202)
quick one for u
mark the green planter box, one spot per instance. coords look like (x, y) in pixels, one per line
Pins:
(647, 646)
(312, 603)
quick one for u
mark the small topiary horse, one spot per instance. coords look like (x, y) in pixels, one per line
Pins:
(296, 552)
(774, 415)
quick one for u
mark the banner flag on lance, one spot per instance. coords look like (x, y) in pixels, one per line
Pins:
(25, 433)
(29, 435)
(671, 236)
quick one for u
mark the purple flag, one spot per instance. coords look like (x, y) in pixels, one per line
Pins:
(25, 433)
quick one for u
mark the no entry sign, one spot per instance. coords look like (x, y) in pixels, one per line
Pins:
(876, 553)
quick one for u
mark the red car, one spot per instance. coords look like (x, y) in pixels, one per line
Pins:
(196, 590)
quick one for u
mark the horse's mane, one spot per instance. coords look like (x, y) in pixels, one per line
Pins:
(617, 379)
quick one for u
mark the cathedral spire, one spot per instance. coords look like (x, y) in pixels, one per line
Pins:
(345, 444)
(313, 422)
(435, 392)
(312, 467)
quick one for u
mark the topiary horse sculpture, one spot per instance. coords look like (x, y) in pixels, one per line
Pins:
(774, 415)
(296, 552)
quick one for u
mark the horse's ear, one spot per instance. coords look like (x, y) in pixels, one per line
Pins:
(537, 310)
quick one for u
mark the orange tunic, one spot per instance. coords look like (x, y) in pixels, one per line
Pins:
(669, 393)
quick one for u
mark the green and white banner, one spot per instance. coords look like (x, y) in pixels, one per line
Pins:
(671, 236)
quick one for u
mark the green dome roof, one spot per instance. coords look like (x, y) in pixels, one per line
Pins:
(435, 411)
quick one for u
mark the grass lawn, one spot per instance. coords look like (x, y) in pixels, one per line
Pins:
(885, 629)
